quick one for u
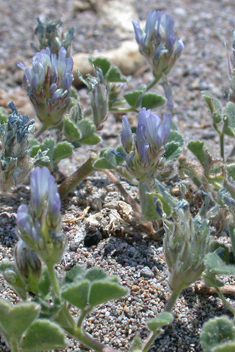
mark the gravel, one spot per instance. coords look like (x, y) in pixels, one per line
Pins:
(124, 251)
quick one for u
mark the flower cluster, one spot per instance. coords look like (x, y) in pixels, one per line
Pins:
(186, 244)
(158, 43)
(39, 224)
(14, 157)
(144, 150)
(49, 35)
(48, 85)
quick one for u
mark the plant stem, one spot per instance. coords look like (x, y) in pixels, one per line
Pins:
(151, 85)
(123, 192)
(123, 110)
(82, 317)
(170, 303)
(53, 279)
(150, 339)
(14, 345)
(78, 176)
(89, 341)
(222, 146)
(225, 302)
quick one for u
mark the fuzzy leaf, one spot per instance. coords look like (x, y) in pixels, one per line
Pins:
(43, 335)
(62, 150)
(214, 106)
(15, 319)
(45, 283)
(198, 149)
(77, 294)
(215, 265)
(71, 131)
(101, 62)
(115, 75)
(95, 274)
(107, 160)
(162, 319)
(229, 125)
(150, 209)
(74, 273)
(172, 151)
(136, 345)
(103, 291)
(216, 331)
(132, 97)
(87, 128)
(152, 100)
(230, 168)
(175, 136)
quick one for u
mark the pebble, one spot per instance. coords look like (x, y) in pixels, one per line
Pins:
(147, 272)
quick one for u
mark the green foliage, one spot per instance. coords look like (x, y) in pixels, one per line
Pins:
(75, 273)
(132, 97)
(108, 160)
(15, 320)
(217, 332)
(54, 152)
(101, 62)
(87, 289)
(136, 345)
(162, 319)
(214, 106)
(229, 119)
(115, 75)
(152, 100)
(43, 335)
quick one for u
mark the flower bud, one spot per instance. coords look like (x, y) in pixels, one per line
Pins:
(49, 35)
(39, 224)
(48, 85)
(99, 96)
(158, 43)
(186, 243)
(28, 265)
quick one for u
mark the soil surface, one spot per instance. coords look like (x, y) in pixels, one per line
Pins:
(121, 249)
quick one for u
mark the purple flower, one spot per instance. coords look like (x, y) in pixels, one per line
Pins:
(143, 156)
(48, 84)
(39, 224)
(154, 131)
(158, 43)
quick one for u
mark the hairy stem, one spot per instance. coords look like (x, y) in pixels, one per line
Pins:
(14, 346)
(78, 176)
(225, 302)
(53, 279)
(89, 341)
(170, 303)
(150, 339)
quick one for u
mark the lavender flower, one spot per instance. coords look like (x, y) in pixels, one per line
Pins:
(48, 85)
(158, 43)
(145, 150)
(39, 224)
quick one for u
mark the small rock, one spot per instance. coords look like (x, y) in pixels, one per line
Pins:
(92, 239)
(147, 272)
